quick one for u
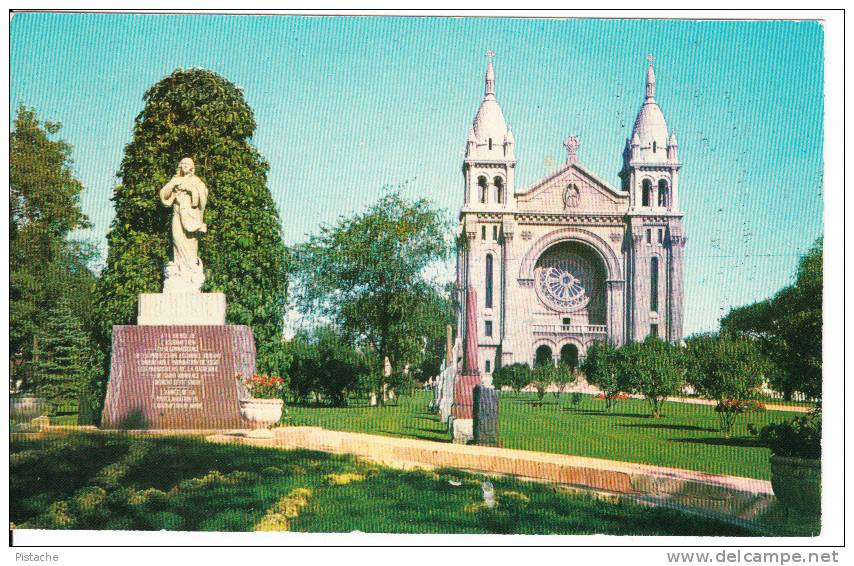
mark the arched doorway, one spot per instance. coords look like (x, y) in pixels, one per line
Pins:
(543, 356)
(569, 356)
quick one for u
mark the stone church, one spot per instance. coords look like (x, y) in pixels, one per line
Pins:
(570, 259)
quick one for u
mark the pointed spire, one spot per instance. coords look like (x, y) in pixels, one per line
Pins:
(472, 138)
(509, 138)
(650, 79)
(490, 75)
(672, 140)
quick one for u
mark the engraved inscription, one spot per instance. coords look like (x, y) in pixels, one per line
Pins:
(178, 369)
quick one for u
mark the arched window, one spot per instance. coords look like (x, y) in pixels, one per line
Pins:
(481, 183)
(663, 196)
(646, 198)
(489, 281)
(653, 284)
(499, 189)
(543, 356)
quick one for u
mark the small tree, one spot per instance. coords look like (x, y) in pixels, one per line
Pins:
(516, 376)
(726, 369)
(564, 376)
(542, 376)
(66, 358)
(601, 368)
(651, 368)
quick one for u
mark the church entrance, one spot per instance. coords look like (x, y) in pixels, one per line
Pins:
(569, 356)
(543, 356)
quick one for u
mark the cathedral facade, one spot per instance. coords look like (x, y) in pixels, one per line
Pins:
(570, 259)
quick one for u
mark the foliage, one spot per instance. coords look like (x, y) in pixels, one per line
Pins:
(601, 369)
(797, 438)
(199, 114)
(651, 368)
(66, 361)
(367, 275)
(263, 386)
(563, 377)
(789, 328)
(46, 266)
(325, 366)
(516, 376)
(726, 369)
(541, 377)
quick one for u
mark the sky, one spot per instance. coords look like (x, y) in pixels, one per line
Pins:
(347, 105)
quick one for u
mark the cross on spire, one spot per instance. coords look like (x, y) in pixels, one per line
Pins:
(650, 58)
(490, 54)
(572, 143)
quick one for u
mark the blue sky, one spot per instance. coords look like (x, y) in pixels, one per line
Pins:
(347, 105)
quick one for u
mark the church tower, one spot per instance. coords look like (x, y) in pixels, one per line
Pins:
(489, 183)
(489, 163)
(655, 242)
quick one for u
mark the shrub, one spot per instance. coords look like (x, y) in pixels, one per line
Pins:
(326, 366)
(516, 376)
(798, 438)
(726, 369)
(563, 377)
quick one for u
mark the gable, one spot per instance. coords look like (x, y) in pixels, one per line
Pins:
(554, 194)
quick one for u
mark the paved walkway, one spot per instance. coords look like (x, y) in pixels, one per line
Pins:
(743, 499)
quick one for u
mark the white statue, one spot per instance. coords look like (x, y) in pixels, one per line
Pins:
(187, 195)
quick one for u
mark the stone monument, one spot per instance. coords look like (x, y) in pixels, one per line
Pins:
(465, 381)
(178, 367)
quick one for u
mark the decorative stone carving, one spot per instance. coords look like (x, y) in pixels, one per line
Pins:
(188, 196)
(571, 196)
(526, 235)
(616, 237)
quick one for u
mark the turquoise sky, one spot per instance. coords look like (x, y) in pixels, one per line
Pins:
(346, 105)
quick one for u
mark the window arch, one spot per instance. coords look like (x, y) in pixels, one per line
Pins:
(481, 183)
(488, 281)
(646, 196)
(653, 284)
(663, 193)
(499, 189)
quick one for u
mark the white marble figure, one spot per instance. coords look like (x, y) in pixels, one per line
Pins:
(187, 195)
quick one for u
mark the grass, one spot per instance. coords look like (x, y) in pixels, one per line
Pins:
(688, 437)
(124, 482)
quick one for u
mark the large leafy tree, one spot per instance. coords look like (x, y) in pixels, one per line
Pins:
(199, 114)
(45, 263)
(788, 327)
(367, 274)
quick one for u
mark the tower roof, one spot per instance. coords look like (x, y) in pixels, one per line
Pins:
(650, 126)
(489, 122)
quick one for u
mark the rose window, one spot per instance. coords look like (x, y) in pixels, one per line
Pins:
(559, 288)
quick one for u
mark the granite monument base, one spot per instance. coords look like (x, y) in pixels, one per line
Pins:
(178, 377)
(462, 430)
(181, 309)
(485, 410)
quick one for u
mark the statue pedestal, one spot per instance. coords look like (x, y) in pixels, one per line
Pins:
(166, 309)
(177, 368)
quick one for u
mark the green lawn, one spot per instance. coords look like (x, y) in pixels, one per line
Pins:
(116, 481)
(688, 436)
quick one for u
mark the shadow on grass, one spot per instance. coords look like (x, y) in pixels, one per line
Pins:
(664, 426)
(735, 441)
(604, 413)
